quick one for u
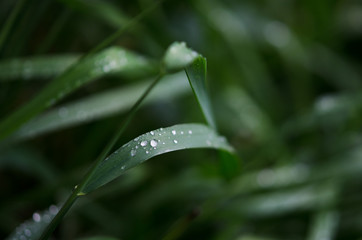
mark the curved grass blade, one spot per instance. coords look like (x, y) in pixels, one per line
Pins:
(109, 61)
(178, 57)
(100, 105)
(146, 146)
(196, 73)
(32, 229)
(35, 67)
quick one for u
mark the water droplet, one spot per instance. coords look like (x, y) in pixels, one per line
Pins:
(190, 132)
(136, 147)
(163, 143)
(182, 132)
(106, 68)
(159, 134)
(123, 167)
(153, 143)
(136, 139)
(36, 217)
(53, 209)
(173, 132)
(147, 152)
(175, 141)
(152, 133)
(27, 232)
(133, 152)
(143, 143)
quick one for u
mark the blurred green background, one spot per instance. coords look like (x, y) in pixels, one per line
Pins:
(285, 84)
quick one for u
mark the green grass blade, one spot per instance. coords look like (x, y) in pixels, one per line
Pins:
(109, 61)
(177, 57)
(324, 225)
(101, 105)
(35, 67)
(146, 146)
(196, 73)
(32, 229)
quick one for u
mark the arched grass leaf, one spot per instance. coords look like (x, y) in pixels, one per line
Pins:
(146, 146)
(33, 228)
(177, 57)
(109, 61)
(100, 105)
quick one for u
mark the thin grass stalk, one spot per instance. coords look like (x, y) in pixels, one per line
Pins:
(77, 192)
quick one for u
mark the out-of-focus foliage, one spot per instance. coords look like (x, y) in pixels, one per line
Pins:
(285, 83)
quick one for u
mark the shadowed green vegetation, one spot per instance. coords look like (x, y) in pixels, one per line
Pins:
(98, 98)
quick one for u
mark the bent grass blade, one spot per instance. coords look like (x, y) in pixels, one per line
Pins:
(151, 144)
(109, 61)
(99, 106)
(196, 73)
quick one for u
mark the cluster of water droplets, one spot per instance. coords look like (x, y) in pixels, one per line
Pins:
(32, 229)
(110, 61)
(161, 141)
(147, 144)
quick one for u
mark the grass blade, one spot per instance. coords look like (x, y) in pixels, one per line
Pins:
(324, 225)
(35, 67)
(146, 146)
(178, 57)
(109, 61)
(196, 73)
(99, 106)
(32, 229)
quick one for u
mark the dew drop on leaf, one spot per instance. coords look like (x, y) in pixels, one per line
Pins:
(153, 143)
(36, 217)
(133, 152)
